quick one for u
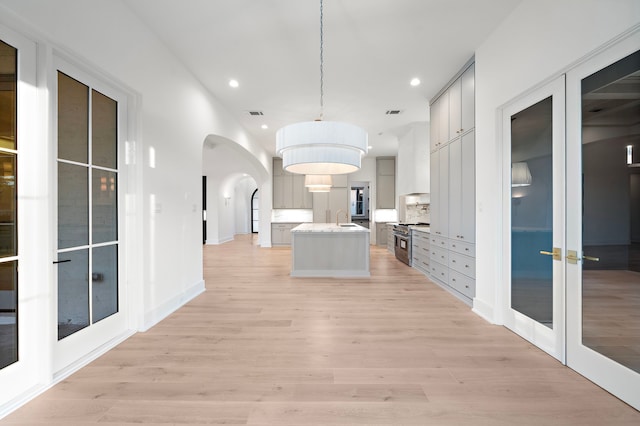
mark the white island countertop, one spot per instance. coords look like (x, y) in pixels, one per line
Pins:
(330, 227)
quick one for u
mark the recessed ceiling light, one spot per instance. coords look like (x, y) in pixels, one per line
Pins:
(264, 126)
(415, 82)
(234, 83)
(369, 147)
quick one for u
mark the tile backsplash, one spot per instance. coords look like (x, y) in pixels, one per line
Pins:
(418, 213)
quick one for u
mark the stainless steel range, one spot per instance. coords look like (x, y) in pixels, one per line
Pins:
(402, 241)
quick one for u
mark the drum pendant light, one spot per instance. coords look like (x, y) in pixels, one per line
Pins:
(321, 147)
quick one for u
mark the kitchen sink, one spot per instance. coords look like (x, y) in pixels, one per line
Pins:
(348, 225)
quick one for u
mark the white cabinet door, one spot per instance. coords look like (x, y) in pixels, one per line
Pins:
(278, 192)
(385, 192)
(467, 104)
(443, 119)
(454, 109)
(468, 188)
(287, 190)
(320, 207)
(435, 191)
(443, 196)
(434, 125)
(301, 198)
(455, 188)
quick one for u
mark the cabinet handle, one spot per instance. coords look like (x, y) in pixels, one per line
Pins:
(453, 260)
(453, 279)
(466, 286)
(466, 266)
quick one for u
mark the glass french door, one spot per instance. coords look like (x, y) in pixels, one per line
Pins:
(533, 132)
(603, 226)
(89, 294)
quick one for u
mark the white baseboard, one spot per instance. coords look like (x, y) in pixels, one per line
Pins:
(219, 241)
(483, 310)
(156, 315)
(57, 377)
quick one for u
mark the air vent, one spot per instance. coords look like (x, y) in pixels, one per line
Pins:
(393, 112)
(255, 112)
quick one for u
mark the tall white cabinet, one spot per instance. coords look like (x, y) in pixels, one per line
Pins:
(452, 145)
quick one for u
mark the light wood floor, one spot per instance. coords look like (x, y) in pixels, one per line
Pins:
(261, 348)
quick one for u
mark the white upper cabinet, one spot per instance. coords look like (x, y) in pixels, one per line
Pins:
(455, 106)
(467, 100)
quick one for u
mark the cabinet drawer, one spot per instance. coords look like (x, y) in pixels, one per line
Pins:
(463, 248)
(463, 264)
(422, 237)
(463, 284)
(439, 242)
(440, 255)
(439, 272)
(421, 262)
(421, 249)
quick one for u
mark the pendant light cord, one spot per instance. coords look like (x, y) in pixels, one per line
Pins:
(321, 61)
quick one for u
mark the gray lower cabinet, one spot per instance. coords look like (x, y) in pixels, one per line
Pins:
(362, 222)
(453, 264)
(391, 241)
(381, 234)
(421, 250)
(281, 233)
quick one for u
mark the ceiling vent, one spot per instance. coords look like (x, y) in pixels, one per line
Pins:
(393, 112)
(255, 112)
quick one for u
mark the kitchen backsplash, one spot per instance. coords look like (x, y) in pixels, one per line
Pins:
(291, 215)
(418, 213)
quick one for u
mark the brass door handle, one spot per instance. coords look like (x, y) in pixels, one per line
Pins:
(555, 253)
(572, 257)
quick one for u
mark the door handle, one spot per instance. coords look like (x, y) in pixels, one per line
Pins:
(555, 253)
(572, 257)
(55, 262)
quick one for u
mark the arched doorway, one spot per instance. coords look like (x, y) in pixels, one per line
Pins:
(255, 212)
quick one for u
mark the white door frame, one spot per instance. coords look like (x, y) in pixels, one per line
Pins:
(551, 340)
(75, 350)
(615, 378)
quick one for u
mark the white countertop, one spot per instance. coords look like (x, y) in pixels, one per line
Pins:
(421, 228)
(329, 227)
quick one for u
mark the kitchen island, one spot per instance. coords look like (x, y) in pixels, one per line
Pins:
(329, 250)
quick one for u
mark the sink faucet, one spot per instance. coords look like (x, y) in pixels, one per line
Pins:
(338, 215)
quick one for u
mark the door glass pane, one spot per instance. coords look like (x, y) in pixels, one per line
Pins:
(8, 90)
(104, 206)
(104, 282)
(104, 130)
(611, 212)
(8, 206)
(73, 119)
(73, 292)
(8, 228)
(531, 212)
(73, 206)
(8, 313)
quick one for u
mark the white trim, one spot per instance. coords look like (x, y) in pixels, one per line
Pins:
(483, 310)
(153, 317)
(610, 375)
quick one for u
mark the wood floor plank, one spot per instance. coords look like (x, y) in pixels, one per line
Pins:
(261, 348)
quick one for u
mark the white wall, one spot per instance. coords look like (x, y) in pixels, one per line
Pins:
(242, 204)
(225, 166)
(172, 116)
(539, 40)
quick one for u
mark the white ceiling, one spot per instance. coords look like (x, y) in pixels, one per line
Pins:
(372, 49)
